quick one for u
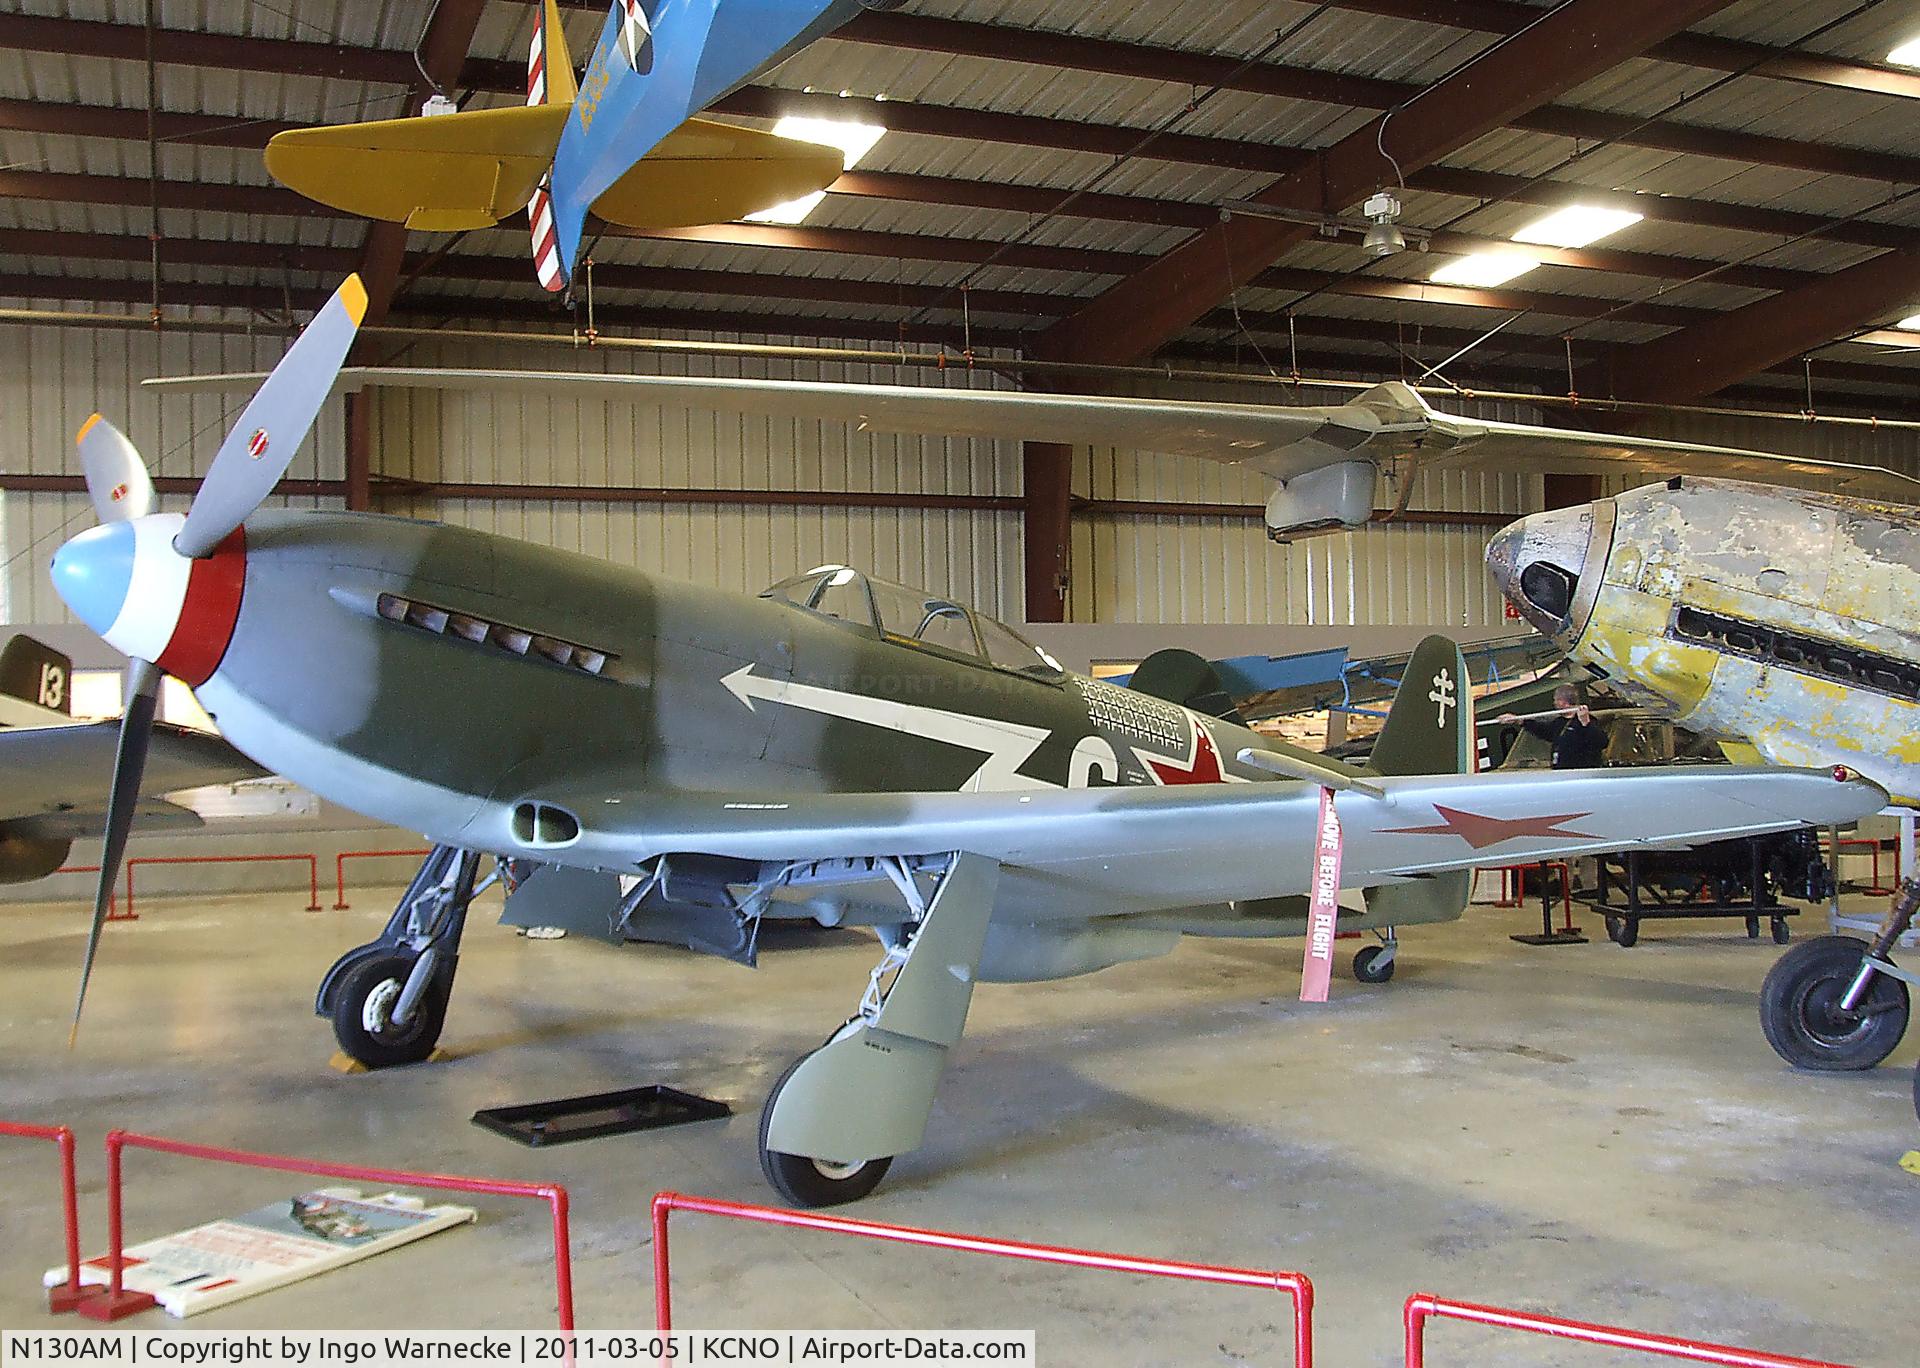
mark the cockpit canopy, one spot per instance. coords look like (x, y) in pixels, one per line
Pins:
(913, 617)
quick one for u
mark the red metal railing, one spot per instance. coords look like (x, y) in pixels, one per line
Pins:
(112, 915)
(1424, 1306)
(1876, 888)
(340, 903)
(117, 1302)
(68, 1296)
(312, 863)
(1515, 876)
(1296, 1285)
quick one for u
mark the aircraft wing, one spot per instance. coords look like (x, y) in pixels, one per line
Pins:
(1386, 424)
(1232, 432)
(1105, 851)
(63, 771)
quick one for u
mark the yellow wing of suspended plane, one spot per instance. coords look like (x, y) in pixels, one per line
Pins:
(455, 172)
(472, 168)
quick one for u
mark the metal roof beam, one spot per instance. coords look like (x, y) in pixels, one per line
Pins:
(1705, 50)
(1566, 46)
(1710, 355)
(92, 38)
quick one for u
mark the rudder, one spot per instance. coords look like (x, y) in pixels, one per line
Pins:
(1429, 730)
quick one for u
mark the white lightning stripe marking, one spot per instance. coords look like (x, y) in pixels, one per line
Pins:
(1007, 745)
(159, 589)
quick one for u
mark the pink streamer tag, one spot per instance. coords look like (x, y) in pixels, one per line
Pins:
(1324, 904)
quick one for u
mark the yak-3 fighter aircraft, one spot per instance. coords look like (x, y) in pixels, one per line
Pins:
(686, 763)
(619, 142)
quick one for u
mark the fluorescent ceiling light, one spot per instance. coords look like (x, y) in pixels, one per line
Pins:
(790, 212)
(1483, 269)
(854, 141)
(1907, 54)
(1576, 226)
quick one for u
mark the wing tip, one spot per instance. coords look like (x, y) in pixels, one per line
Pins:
(353, 296)
(89, 426)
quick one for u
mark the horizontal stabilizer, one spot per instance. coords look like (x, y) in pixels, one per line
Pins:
(707, 172)
(446, 173)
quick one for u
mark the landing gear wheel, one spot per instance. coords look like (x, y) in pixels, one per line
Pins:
(806, 1182)
(1623, 931)
(1801, 1014)
(1367, 966)
(1781, 935)
(363, 1007)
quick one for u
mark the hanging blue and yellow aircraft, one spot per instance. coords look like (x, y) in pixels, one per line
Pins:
(684, 763)
(620, 142)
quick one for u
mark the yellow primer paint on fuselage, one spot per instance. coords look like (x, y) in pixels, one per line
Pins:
(1824, 567)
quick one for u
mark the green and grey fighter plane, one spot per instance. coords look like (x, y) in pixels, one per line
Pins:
(682, 763)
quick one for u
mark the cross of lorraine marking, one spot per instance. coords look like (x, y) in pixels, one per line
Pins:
(1443, 694)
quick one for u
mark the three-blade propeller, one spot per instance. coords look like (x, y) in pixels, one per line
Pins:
(248, 465)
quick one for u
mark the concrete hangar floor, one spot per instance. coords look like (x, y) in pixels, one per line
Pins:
(1592, 1130)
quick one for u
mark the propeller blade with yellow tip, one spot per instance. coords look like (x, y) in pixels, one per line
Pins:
(261, 445)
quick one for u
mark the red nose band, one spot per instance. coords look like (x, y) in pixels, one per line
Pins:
(211, 609)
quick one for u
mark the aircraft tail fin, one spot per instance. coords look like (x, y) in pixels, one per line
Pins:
(34, 672)
(550, 78)
(550, 81)
(1429, 730)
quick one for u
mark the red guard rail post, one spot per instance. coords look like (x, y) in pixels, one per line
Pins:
(1296, 1285)
(340, 903)
(117, 1302)
(68, 1296)
(312, 863)
(1876, 888)
(112, 914)
(1423, 1306)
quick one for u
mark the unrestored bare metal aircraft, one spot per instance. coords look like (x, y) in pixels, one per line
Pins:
(1779, 619)
(687, 763)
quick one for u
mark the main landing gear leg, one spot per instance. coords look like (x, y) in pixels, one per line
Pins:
(388, 999)
(835, 1119)
(1826, 1005)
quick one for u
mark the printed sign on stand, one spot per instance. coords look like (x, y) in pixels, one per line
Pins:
(283, 1242)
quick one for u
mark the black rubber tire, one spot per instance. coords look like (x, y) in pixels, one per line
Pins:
(1799, 1012)
(1623, 931)
(804, 1182)
(1781, 933)
(1367, 967)
(387, 1048)
(1753, 928)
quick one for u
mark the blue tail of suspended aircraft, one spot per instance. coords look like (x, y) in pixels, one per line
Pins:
(620, 143)
(658, 63)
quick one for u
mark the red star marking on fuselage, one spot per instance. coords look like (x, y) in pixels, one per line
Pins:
(1481, 832)
(1204, 769)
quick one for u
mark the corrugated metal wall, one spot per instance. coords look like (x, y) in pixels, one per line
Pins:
(1125, 568)
(51, 378)
(475, 437)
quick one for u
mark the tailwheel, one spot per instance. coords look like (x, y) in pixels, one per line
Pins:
(1373, 964)
(808, 1182)
(1803, 1011)
(364, 1006)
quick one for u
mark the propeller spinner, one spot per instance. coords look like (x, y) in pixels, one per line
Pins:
(166, 590)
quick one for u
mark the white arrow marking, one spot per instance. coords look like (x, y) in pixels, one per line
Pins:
(1007, 745)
